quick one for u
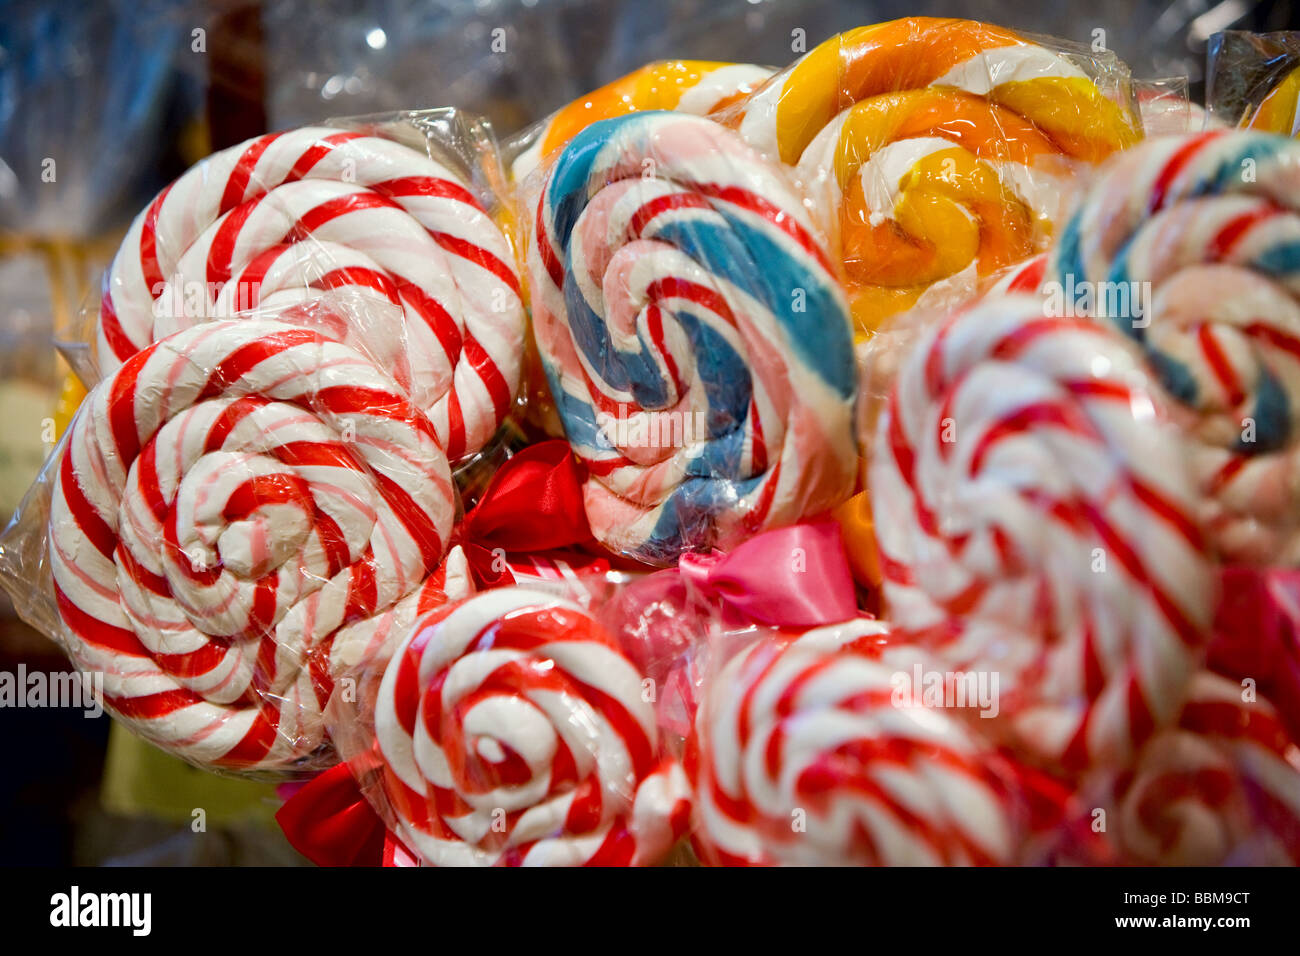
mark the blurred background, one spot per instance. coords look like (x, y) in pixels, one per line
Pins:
(101, 104)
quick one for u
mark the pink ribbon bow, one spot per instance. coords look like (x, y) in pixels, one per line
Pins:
(796, 577)
(791, 578)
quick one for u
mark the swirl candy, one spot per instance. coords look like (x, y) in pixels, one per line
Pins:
(696, 343)
(228, 499)
(934, 148)
(287, 216)
(698, 87)
(1025, 483)
(514, 732)
(806, 757)
(1221, 788)
(1191, 247)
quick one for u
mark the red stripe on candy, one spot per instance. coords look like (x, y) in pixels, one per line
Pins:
(316, 152)
(149, 265)
(239, 178)
(479, 256)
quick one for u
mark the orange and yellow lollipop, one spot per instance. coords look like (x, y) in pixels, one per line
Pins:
(935, 149)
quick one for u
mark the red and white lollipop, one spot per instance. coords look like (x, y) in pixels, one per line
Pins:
(513, 731)
(288, 216)
(1189, 246)
(1035, 512)
(227, 500)
(1223, 787)
(806, 755)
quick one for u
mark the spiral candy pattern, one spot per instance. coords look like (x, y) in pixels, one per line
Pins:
(1223, 787)
(936, 149)
(696, 343)
(288, 216)
(1035, 517)
(227, 500)
(514, 732)
(805, 757)
(1191, 247)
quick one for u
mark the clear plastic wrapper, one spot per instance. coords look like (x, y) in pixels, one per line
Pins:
(1221, 788)
(669, 622)
(936, 151)
(404, 210)
(689, 86)
(1160, 331)
(1253, 80)
(238, 511)
(695, 338)
(473, 673)
(509, 728)
(1166, 107)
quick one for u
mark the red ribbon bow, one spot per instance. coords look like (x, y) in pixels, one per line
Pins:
(330, 823)
(533, 503)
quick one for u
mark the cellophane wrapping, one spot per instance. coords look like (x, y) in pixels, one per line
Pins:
(842, 745)
(406, 210)
(1159, 331)
(1253, 80)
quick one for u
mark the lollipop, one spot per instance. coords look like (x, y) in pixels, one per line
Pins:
(286, 216)
(1034, 514)
(1221, 788)
(227, 500)
(689, 86)
(514, 732)
(1189, 245)
(696, 343)
(806, 756)
(937, 149)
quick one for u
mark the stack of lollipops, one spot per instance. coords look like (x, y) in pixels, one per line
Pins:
(885, 460)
